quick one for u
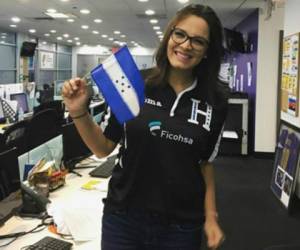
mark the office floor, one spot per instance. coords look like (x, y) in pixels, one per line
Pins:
(250, 214)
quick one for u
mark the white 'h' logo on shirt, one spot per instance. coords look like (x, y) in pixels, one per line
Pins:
(196, 111)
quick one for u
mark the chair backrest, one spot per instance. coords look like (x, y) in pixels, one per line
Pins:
(56, 105)
(14, 136)
(9, 173)
(42, 127)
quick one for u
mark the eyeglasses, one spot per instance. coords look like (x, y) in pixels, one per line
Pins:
(198, 43)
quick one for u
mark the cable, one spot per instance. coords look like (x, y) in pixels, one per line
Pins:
(43, 224)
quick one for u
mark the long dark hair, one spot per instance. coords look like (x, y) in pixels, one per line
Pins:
(208, 69)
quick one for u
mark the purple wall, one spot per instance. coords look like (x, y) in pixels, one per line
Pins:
(248, 27)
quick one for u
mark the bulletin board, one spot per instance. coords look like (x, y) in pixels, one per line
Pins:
(286, 164)
(290, 75)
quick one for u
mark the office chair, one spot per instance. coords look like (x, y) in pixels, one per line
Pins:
(14, 136)
(56, 105)
(9, 173)
(42, 127)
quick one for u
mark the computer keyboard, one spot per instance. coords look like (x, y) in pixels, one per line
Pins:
(50, 243)
(105, 169)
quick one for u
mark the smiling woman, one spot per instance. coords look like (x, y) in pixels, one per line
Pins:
(176, 134)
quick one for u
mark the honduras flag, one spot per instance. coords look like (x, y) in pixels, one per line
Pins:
(121, 84)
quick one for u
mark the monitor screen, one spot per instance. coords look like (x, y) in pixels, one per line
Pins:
(74, 149)
(9, 184)
(21, 98)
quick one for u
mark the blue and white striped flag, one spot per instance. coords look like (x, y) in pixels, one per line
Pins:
(121, 84)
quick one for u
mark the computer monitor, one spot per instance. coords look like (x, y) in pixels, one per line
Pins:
(21, 98)
(9, 184)
(74, 149)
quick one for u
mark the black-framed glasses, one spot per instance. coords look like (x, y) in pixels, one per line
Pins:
(198, 43)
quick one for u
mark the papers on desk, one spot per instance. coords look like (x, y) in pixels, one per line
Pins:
(95, 185)
(79, 215)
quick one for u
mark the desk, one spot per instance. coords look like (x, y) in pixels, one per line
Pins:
(62, 196)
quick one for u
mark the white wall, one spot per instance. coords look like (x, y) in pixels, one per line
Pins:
(292, 26)
(267, 74)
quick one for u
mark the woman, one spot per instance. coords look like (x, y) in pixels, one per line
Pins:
(161, 194)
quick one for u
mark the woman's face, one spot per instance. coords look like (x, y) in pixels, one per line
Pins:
(186, 55)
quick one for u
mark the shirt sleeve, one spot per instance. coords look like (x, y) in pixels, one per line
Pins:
(214, 146)
(215, 136)
(110, 126)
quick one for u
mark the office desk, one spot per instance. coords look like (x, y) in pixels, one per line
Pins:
(65, 198)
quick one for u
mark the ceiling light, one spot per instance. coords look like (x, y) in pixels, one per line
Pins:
(123, 36)
(70, 20)
(16, 19)
(32, 30)
(53, 31)
(110, 39)
(143, 1)
(160, 36)
(117, 32)
(149, 12)
(32, 40)
(98, 21)
(153, 21)
(133, 42)
(78, 43)
(95, 32)
(13, 26)
(64, 0)
(47, 34)
(3, 37)
(76, 38)
(104, 36)
(156, 27)
(85, 27)
(85, 11)
(66, 35)
(183, 1)
(51, 11)
(70, 41)
(158, 32)
(59, 38)
(44, 42)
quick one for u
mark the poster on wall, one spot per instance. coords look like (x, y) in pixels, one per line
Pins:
(286, 164)
(290, 75)
(47, 60)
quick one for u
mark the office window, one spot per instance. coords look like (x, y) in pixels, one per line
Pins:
(55, 62)
(64, 61)
(7, 51)
(64, 74)
(64, 48)
(47, 76)
(7, 76)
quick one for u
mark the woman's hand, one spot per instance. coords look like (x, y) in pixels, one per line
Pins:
(75, 95)
(213, 232)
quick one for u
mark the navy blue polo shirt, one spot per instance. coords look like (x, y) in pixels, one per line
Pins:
(161, 153)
